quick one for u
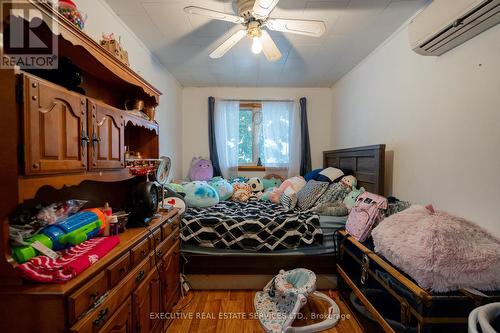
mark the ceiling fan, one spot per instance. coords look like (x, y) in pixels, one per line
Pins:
(254, 17)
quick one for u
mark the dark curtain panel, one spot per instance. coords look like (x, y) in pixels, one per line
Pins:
(212, 146)
(305, 146)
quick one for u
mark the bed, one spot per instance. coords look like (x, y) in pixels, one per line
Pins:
(314, 249)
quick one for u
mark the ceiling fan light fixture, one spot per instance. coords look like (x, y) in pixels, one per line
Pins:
(256, 45)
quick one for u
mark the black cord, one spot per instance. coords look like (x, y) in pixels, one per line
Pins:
(155, 260)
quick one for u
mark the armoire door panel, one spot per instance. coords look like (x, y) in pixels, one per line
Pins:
(55, 123)
(107, 137)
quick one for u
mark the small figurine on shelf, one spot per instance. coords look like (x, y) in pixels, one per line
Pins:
(68, 9)
(114, 46)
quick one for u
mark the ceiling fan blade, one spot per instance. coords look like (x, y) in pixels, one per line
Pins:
(262, 8)
(228, 44)
(269, 48)
(213, 14)
(301, 27)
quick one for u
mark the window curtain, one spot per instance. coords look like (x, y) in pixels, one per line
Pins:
(212, 146)
(226, 127)
(281, 137)
(305, 147)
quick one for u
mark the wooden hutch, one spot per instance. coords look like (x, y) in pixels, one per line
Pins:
(59, 144)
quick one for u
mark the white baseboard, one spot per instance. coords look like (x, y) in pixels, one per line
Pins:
(248, 282)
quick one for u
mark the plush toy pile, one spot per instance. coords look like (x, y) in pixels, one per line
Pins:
(324, 191)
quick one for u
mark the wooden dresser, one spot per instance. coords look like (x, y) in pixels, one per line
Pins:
(123, 292)
(62, 142)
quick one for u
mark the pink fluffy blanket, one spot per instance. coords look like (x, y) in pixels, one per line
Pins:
(439, 251)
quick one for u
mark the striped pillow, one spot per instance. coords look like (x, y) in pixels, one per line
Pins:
(308, 195)
(289, 199)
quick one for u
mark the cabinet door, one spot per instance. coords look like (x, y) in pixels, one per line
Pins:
(170, 269)
(55, 128)
(146, 303)
(121, 321)
(106, 126)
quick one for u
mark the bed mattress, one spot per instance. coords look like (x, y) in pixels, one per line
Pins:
(328, 224)
(253, 226)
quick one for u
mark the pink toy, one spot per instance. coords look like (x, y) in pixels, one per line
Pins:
(297, 183)
(201, 169)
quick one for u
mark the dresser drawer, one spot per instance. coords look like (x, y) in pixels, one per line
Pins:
(140, 251)
(118, 270)
(170, 226)
(156, 238)
(83, 299)
(165, 246)
(121, 321)
(97, 318)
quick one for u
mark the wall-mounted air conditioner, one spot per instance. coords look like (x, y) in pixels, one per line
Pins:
(445, 24)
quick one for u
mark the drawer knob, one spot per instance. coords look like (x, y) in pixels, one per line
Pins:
(139, 276)
(101, 318)
(159, 253)
(94, 295)
(122, 270)
(143, 253)
(34, 84)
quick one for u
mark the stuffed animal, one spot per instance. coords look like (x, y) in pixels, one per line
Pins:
(239, 179)
(175, 187)
(201, 169)
(267, 193)
(200, 194)
(257, 187)
(349, 182)
(296, 183)
(270, 181)
(350, 199)
(223, 188)
(241, 192)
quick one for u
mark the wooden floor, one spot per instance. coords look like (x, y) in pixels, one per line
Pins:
(232, 311)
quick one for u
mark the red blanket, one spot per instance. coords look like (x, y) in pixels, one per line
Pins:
(71, 262)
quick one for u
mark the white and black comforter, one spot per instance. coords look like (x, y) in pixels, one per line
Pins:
(255, 226)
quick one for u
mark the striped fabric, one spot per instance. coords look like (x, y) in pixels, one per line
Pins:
(289, 199)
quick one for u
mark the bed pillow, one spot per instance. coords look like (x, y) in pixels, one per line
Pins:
(335, 192)
(329, 174)
(289, 199)
(308, 195)
(312, 174)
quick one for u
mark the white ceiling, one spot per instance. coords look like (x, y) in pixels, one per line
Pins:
(183, 42)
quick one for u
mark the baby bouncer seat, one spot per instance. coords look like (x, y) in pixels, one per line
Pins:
(282, 298)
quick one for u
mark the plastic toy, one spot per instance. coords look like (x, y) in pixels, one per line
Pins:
(72, 231)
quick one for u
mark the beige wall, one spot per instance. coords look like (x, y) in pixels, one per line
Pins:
(195, 116)
(101, 19)
(439, 115)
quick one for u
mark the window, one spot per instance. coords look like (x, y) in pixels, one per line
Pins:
(250, 146)
(264, 133)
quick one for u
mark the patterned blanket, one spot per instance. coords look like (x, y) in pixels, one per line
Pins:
(255, 226)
